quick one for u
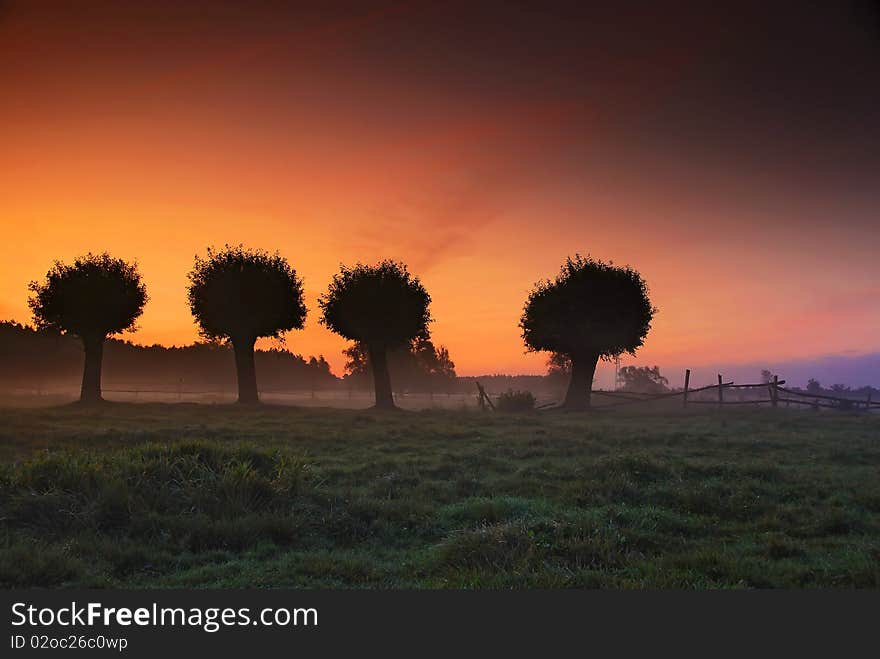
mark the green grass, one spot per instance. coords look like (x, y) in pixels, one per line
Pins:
(217, 496)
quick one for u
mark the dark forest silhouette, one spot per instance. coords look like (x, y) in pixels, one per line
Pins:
(43, 358)
(420, 367)
(642, 379)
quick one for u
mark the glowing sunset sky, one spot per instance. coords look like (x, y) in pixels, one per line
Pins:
(733, 158)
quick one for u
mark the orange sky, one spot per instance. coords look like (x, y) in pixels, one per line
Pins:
(154, 138)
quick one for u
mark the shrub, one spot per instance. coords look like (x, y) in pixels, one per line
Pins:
(515, 401)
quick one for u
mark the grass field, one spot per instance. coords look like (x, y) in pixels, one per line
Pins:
(208, 496)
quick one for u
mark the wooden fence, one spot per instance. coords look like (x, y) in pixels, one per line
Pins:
(776, 395)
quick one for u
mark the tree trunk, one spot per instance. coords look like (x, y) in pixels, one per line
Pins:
(381, 378)
(245, 370)
(583, 370)
(91, 382)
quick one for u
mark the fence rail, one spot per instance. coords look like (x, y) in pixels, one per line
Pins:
(773, 387)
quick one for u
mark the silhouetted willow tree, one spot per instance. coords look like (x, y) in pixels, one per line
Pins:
(239, 295)
(591, 310)
(382, 307)
(95, 297)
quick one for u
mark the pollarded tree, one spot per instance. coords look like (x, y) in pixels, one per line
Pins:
(93, 298)
(239, 295)
(591, 310)
(382, 307)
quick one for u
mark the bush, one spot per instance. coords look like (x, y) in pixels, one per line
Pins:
(515, 401)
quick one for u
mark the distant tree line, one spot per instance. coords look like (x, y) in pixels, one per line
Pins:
(40, 358)
(32, 358)
(841, 390)
(838, 390)
(418, 367)
(642, 379)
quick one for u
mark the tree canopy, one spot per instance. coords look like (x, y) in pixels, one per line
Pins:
(94, 297)
(592, 307)
(242, 294)
(381, 305)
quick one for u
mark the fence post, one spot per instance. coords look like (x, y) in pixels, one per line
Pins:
(488, 400)
(720, 392)
(774, 391)
(687, 380)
